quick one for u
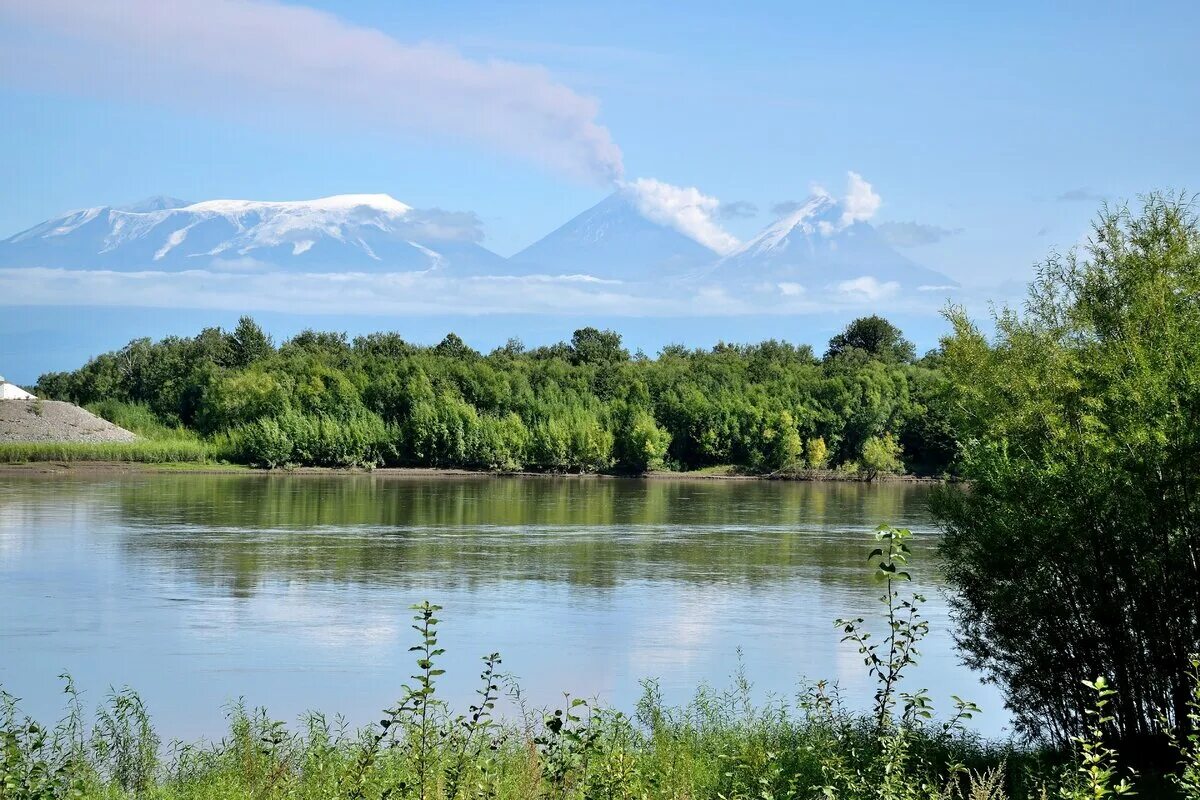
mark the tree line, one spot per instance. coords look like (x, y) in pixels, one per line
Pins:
(587, 405)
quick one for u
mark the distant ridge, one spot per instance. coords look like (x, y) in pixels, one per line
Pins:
(819, 245)
(359, 232)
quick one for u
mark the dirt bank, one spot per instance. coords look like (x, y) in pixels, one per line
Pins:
(54, 421)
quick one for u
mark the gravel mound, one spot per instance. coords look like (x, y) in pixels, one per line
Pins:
(53, 421)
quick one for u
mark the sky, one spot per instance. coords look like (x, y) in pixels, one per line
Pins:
(991, 132)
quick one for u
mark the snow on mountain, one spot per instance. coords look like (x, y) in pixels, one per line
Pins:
(821, 244)
(614, 239)
(353, 232)
(645, 232)
(157, 202)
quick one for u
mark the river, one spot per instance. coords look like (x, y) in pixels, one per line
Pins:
(292, 591)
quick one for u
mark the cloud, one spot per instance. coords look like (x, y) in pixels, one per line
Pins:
(737, 209)
(434, 224)
(785, 207)
(686, 209)
(1080, 195)
(867, 288)
(914, 234)
(861, 202)
(858, 204)
(250, 57)
(436, 293)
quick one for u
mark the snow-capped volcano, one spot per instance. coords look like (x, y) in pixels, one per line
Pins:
(352, 232)
(614, 239)
(821, 243)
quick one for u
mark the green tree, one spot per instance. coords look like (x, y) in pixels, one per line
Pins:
(874, 336)
(639, 444)
(881, 454)
(248, 343)
(816, 453)
(597, 347)
(1075, 551)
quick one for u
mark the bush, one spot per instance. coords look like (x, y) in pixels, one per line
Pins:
(881, 454)
(1074, 553)
(816, 453)
(264, 443)
(639, 444)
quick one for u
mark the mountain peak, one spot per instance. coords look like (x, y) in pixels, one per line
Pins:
(158, 202)
(614, 239)
(346, 232)
(820, 214)
(821, 241)
(338, 202)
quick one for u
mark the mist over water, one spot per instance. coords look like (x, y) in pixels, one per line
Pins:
(293, 591)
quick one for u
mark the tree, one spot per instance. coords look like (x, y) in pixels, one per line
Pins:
(597, 347)
(816, 453)
(454, 347)
(639, 443)
(881, 454)
(248, 343)
(874, 336)
(1076, 551)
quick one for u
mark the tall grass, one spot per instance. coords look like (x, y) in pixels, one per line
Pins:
(159, 443)
(146, 451)
(140, 419)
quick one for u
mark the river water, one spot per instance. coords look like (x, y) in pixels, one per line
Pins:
(292, 591)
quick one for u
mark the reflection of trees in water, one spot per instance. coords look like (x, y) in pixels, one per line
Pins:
(238, 531)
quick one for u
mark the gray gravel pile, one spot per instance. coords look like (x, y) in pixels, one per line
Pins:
(54, 421)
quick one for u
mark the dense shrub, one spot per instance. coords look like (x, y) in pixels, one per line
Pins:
(1076, 550)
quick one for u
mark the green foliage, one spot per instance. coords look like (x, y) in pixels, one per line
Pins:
(1187, 743)
(1096, 774)
(582, 406)
(874, 337)
(882, 454)
(140, 419)
(598, 348)
(248, 343)
(1073, 553)
(262, 443)
(816, 453)
(148, 452)
(639, 443)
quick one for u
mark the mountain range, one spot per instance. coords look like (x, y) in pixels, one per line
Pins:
(614, 240)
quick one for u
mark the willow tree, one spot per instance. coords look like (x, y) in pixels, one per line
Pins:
(1075, 552)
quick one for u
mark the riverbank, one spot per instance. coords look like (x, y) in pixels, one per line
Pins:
(100, 467)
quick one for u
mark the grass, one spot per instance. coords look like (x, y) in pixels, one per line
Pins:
(717, 746)
(143, 451)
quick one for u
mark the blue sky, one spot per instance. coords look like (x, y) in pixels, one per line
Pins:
(961, 116)
(1004, 125)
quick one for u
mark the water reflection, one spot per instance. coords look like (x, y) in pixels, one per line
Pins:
(292, 590)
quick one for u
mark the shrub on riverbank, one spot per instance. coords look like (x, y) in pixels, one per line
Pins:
(1076, 551)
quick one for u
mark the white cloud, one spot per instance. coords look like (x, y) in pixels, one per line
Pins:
(867, 288)
(252, 58)
(915, 234)
(861, 201)
(686, 209)
(239, 287)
